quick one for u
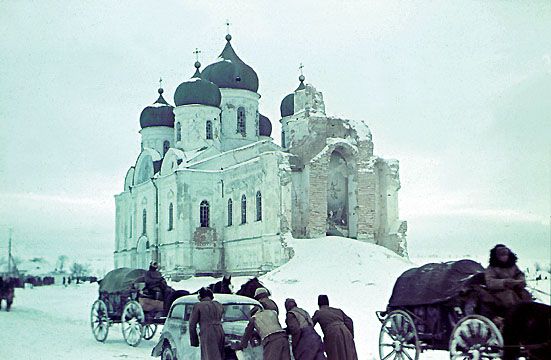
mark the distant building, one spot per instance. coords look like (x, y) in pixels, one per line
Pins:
(212, 193)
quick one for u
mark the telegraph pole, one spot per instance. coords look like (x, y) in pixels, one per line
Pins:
(9, 252)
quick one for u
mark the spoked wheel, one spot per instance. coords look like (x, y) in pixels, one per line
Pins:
(131, 322)
(99, 320)
(398, 338)
(476, 337)
(149, 331)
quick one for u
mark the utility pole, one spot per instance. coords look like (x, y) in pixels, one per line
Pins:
(9, 252)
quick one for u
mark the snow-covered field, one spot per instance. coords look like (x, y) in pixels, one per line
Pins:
(53, 322)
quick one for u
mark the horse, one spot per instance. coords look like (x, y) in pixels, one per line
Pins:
(527, 331)
(6, 292)
(248, 289)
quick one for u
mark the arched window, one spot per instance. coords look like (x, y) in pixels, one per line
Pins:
(282, 138)
(241, 121)
(230, 212)
(243, 209)
(258, 206)
(257, 123)
(209, 130)
(170, 216)
(166, 146)
(178, 131)
(204, 213)
(144, 222)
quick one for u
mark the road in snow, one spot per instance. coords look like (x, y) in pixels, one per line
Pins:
(53, 322)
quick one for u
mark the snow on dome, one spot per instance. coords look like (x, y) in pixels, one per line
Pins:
(229, 71)
(158, 114)
(197, 91)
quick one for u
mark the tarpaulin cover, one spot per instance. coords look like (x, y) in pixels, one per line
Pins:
(121, 279)
(433, 283)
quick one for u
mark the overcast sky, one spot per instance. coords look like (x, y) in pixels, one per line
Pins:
(459, 92)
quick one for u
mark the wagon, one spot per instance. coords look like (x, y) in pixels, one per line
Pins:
(435, 307)
(121, 301)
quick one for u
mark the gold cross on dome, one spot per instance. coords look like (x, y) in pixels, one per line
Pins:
(197, 52)
(160, 82)
(300, 68)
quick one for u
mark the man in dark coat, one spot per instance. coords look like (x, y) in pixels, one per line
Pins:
(504, 280)
(306, 342)
(338, 331)
(208, 314)
(275, 344)
(262, 296)
(155, 283)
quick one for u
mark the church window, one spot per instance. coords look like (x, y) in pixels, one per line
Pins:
(258, 206)
(257, 123)
(209, 130)
(282, 138)
(230, 212)
(243, 209)
(241, 121)
(130, 228)
(166, 146)
(178, 131)
(144, 222)
(204, 213)
(170, 216)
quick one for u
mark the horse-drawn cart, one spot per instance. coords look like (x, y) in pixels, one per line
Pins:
(122, 301)
(435, 307)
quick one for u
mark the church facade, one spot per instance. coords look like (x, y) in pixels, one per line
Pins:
(211, 193)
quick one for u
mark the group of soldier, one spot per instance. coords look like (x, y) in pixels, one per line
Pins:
(306, 344)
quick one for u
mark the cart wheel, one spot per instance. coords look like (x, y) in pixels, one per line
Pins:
(99, 320)
(476, 337)
(131, 322)
(149, 331)
(398, 338)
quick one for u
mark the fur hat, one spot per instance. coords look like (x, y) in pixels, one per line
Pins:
(261, 292)
(153, 265)
(290, 303)
(205, 293)
(323, 300)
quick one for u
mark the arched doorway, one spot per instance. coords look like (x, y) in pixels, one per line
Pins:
(143, 257)
(337, 195)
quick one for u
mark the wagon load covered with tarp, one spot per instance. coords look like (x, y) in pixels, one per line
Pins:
(435, 307)
(124, 299)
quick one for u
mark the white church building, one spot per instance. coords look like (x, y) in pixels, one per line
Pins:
(211, 193)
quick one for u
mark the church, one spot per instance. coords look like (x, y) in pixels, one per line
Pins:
(211, 193)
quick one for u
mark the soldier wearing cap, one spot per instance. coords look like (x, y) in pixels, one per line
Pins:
(262, 295)
(265, 322)
(208, 314)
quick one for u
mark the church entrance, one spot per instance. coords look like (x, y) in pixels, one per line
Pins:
(143, 257)
(337, 195)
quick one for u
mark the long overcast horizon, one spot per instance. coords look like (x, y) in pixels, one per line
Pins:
(457, 91)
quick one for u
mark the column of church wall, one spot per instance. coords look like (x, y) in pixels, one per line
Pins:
(192, 120)
(232, 100)
(300, 200)
(317, 194)
(382, 230)
(367, 205)
(154, 137)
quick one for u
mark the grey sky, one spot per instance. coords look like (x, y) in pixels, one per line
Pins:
(459, 92)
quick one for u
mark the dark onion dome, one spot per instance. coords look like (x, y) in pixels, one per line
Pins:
(229, 71)
(287, 106)
(158, 114)
(197, 91)
(264, 126)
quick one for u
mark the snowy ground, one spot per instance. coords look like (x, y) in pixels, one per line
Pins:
(53, 322)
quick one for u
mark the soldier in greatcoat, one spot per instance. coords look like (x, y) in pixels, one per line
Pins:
(306, 343)
(208, 314)
(338, 331)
